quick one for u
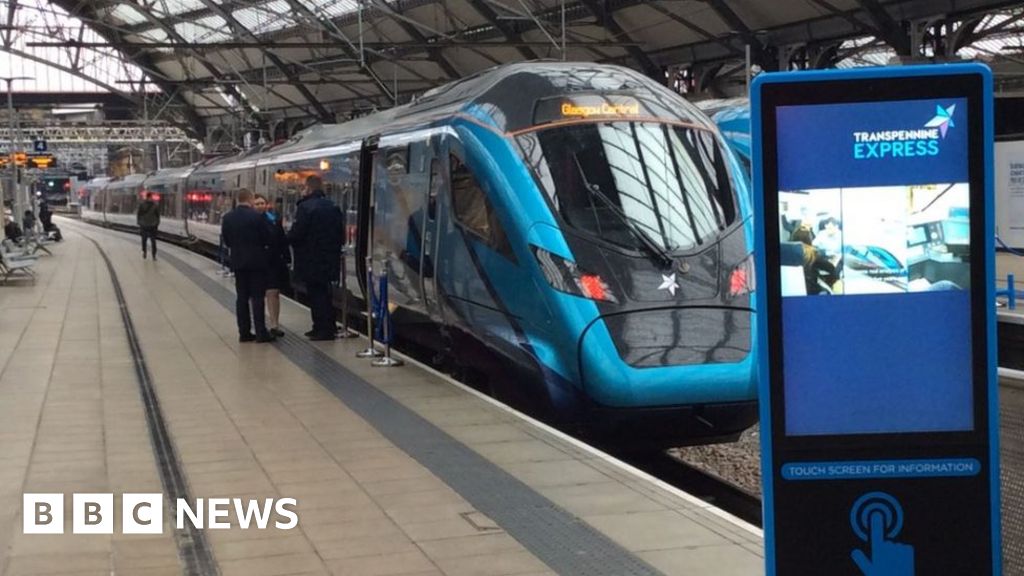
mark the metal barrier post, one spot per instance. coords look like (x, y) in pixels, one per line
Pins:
(344, 332)
(1012, 296)
(371, 350)
(386, 361)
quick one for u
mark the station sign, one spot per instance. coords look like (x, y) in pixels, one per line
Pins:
(41, 161)
(19, 158)
(873, 199)
(39, 145)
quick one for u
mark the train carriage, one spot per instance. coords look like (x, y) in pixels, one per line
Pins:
(577, 233)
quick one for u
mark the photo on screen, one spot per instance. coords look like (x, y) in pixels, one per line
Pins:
(874, 240)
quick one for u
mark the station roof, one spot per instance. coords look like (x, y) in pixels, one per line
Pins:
(328, 58)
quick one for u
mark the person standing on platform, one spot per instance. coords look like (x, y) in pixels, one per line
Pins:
(46, 218)
(247, 235)
(148, 220)
(317, 237)
(278, 276)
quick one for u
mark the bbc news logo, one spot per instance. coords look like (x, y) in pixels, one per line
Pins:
(144, 513)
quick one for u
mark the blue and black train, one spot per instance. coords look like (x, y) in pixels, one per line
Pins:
(576, 233)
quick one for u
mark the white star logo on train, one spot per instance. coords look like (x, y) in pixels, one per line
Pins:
(669, 283)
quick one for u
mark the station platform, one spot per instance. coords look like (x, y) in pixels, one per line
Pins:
(395, 471)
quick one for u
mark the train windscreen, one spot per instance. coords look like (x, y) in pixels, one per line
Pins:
(636, 183)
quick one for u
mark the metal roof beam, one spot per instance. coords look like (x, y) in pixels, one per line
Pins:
(330, 28)
(322, 112)
(146, 58)
(695, 29)
(172, 19)
(891, 30)
(85, 12)
(849, 17)
(607, 19)
(509, 32)
(12, 8)
(419, 44)
(418, 36)
(758, 51)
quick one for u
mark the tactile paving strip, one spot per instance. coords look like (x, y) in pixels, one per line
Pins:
(1011, 445)
(567, 545)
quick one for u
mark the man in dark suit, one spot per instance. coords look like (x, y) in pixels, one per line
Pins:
(247, 235)
(317, 237)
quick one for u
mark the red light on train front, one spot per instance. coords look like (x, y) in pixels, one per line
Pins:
(593, 287)
(741, 279)
(563, 275)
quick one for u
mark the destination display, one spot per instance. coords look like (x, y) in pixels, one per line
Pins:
(877, 388)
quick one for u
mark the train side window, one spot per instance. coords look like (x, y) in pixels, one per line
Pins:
(474, 211)
(433, 187)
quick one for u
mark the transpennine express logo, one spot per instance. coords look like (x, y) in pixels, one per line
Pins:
(943, 119)
(905, 143)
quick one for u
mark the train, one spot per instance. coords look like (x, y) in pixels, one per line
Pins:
(576, 236)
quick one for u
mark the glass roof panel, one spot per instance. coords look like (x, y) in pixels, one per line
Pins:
(208, 29)
(127, 14)
(177, 6)
(61, 68)
(334, 8)
(268, 17)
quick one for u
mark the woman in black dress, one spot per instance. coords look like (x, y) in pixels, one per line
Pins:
(278, 275)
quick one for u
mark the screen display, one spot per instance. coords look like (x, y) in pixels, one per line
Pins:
(875, 254)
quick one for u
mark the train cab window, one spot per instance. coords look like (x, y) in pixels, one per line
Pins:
(637, 183)
(474, 211)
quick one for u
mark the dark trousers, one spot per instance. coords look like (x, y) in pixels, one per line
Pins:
(321, 307)
(149, 233)
(250, 290)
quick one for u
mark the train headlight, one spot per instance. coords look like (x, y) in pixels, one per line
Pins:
(565, 276)
(741, 279)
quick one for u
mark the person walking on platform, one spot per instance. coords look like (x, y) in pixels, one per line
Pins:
(317, 237)
(278, 276)
(247, 235)
(148, 220)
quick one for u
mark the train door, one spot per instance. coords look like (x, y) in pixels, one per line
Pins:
(431, 232)
(367, 178)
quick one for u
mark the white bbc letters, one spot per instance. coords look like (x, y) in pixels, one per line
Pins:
(142, 513)
(43, 513)
(92, 514)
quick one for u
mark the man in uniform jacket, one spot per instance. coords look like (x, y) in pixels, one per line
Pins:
(148, 220)
(247, 235)
(317, 237)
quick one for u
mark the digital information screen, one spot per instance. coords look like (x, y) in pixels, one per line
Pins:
(866, 191)
(876, 321)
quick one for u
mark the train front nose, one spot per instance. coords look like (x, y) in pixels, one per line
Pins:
(677, 373)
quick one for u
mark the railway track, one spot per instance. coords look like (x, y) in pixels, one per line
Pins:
(709, 487)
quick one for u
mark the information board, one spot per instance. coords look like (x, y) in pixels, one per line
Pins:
(878, 390)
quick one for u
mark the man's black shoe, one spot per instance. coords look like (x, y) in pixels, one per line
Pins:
(322, 337)
(247, 338)
(310, 334)
(277, 332)
(266, 338)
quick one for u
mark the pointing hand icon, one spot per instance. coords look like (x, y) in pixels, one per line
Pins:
(888, 558)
